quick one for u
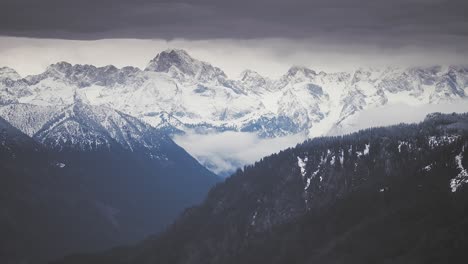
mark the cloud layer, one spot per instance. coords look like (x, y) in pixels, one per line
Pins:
(382, 22)
(225, 152)
(397, 113)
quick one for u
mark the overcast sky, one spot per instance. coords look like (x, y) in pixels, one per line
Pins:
(322, 34)
(206, 19)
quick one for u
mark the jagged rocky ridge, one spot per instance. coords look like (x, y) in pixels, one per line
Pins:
(179, 93)
(86, 178)
(383, 195)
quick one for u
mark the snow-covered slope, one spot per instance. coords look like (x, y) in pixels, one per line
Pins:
(29, 118)
(82, 126)
(177, 93)
(85, 127)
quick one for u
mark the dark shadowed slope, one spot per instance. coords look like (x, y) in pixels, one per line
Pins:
(90, 180)
(385, 195)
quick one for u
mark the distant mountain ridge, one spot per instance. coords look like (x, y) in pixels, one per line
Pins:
(180, 93)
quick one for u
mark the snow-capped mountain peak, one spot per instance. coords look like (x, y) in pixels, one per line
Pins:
(297, 74)
(58, 70)
(300, 71)
(8, 73)
(249, 75)
(180, 65)
(60, 66)
(253, 81)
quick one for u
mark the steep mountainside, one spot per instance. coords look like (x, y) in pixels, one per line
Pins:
(89, 178)
(39, 203)
(384, 195)
(179, 93)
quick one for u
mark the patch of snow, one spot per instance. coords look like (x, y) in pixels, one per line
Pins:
(302, 164)
(384, 189)
(311, 177)
(254, 216)
(401, 143)
(315, 172)
(443, 140)
(428, 167)
(307, 184)
(366, 150)
(60, 165)
(462, 177)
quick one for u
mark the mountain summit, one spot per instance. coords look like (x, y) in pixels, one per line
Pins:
(8, 73)
(178, 63)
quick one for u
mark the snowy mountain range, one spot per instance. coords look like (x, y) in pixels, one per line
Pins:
(98, 139)
(180, 93)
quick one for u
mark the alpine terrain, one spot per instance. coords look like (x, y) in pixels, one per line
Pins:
(177, 93)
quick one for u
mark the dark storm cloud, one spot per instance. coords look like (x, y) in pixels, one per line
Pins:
(386, 22)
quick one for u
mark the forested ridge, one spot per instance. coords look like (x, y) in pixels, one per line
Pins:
(383, 195)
